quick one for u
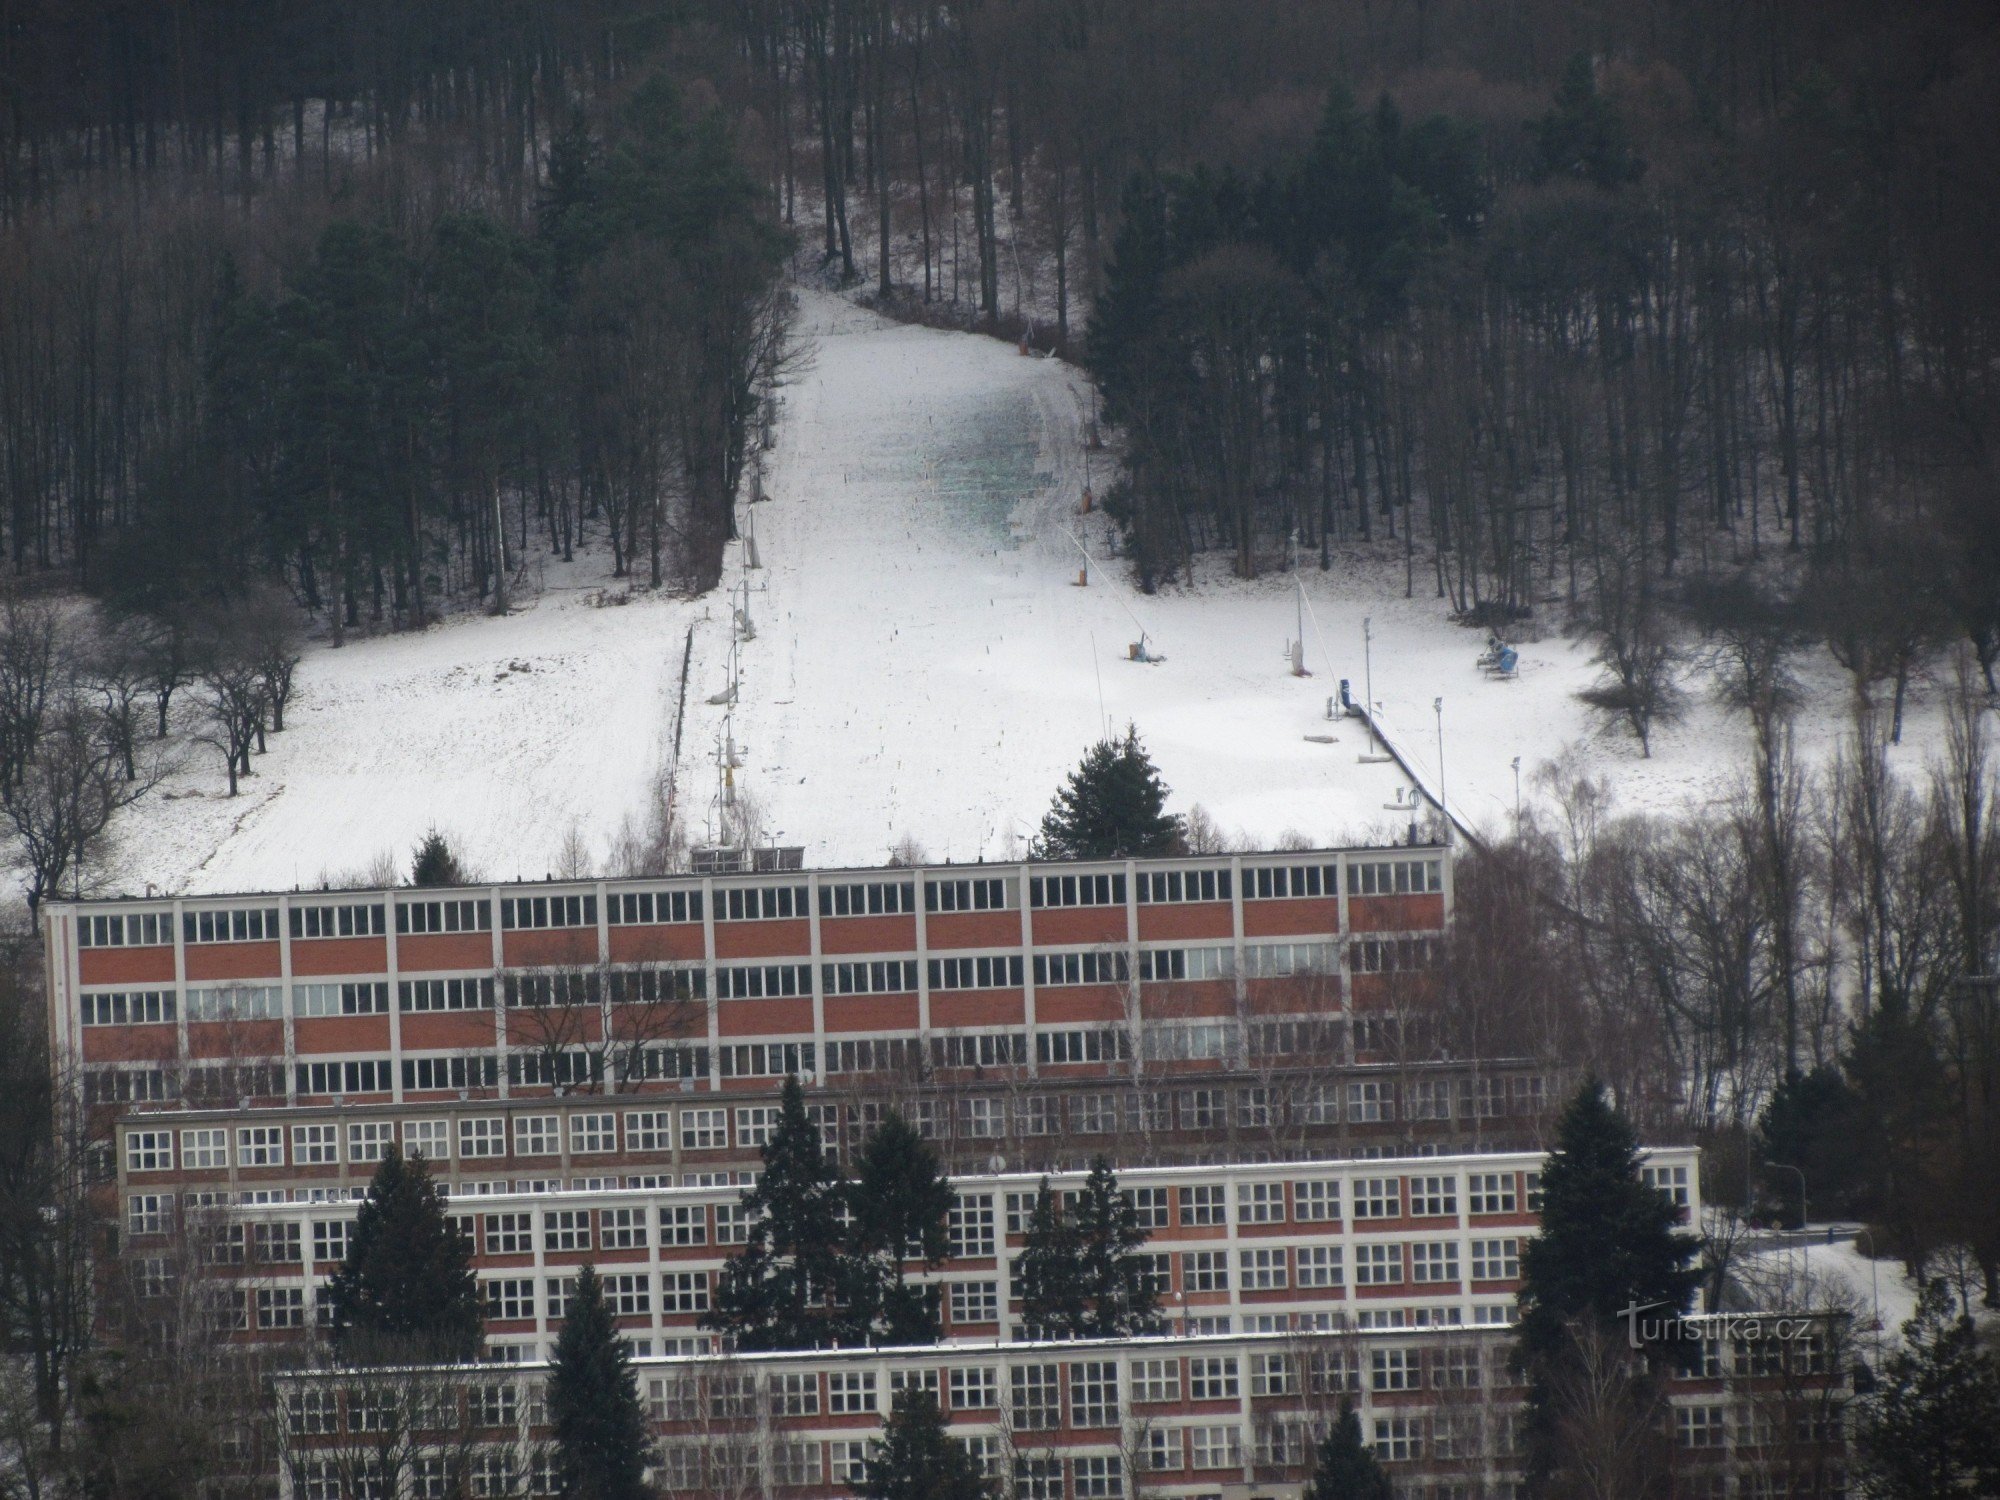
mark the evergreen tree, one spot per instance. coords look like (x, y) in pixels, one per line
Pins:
(1898, 1132)
(900, 1204)
(1608, 1246)
(1080, 1275)
(1114, 807)
(917, 1459)
(435, 863)
(1344, 1468)
(1931, 1429)
(600, 1428)
(778, 1291)
(1810, 1123)
(406, 1290)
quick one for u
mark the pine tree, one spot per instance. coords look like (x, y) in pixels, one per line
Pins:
(1114, 807)
(778, 1291)
(1608, 1247)
(406, 1290)
(601, 1433)
(900, 1203)
(435, 863)
(1080, 1275)
(917, 1459)
(1931, 1429)
(1344, 1468)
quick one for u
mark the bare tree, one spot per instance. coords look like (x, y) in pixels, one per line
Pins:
(233, 707)
(268, 627)
(32, 658)
(62, 797)
(582, 1027)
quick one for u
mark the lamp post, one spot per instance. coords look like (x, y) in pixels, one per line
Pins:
(1437, 707)
(1805, 1240)
(1517, 794)
(1368, 676)
(1874, 1279)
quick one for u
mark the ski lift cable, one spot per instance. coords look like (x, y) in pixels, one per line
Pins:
(1117, 589)
(1313, 615)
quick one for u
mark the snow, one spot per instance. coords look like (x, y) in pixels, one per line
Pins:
(924, 666)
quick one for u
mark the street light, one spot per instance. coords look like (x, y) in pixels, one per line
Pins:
(1874, 1279)
(1805, 1240)
(1437, 707)
(1517, 794)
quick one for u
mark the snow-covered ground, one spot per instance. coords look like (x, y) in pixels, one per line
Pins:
(924, 666)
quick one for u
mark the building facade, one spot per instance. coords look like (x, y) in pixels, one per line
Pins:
(1042, 972)
(1209, 1415)
(1430, 1242)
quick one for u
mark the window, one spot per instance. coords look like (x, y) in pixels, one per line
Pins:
(1433, 1197)
(1319, 1265)
(987, 971)
(704, 1129)
(1260, 1203)
(1699, 1426)
(880, 977)
(337, 921)
(558, 1290)
(360, 1076)
(1369, 1103)
(1038, 1479)
(763, 981)
(629, 1294)
(1271, 1375)
(1532, 1181)
(1205, 1271)
(444, 916)
(1283, 960)
(971, 1225)
(1093, 1394)
(150, 929)
(281, 1307)
(538, 1135)
(1082, 968)
(1490, 1193)
(593, 1134)
(850, 1392)
(684, 1291)
(1261, 1270)
(330, 1239)
(1672, 1181)
(1378, 1198)
(1291, 882)
(277, 1244)
(682, 1224)
(420, 1073)
(1202, 1109)
(1203, 1205)
(1076, 890)
(509, 1234)
(1215, 1447)
(1434, 1261)
(965, 895)
(203, 1150)
(1399, 877)
(1160, 965)
(1099, 1477)
(644, 908)
(485, 1136)
(982, 1119)
(1316, 1202)
(875, 899)
(1156, 1381)
(1159, 887)
(565, 1229)
(129, 1008)
(1160, 1450)
(445, 994)
(149, 1151)
(520, 913)
(315, 1145)
(975, 1389)
(623, 1228)
(236, 1002)
(794, 1394)
(1496, 1260)
(1212, 1379)
(1378, 1265)
(1392, 955)
(1397, 1439)
(1096, 1045)
(1149, 1206)
(260, 1146)
(1036, 1398)
(243, 925)
(975, 1302)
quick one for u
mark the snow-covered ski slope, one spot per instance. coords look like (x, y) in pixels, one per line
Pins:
(924, 665)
